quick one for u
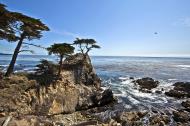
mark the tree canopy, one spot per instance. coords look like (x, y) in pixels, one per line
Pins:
(85, 45)
(62, 50)
(13, 24)
(7, 21)
(16, 27)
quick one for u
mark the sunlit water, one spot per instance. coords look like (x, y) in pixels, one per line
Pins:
(115, 73)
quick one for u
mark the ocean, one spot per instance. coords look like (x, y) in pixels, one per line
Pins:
(115, 72)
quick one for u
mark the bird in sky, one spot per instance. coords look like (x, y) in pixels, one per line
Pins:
(155, 33)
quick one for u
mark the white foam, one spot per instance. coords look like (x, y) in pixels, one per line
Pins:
(123, 78)
(172, 79)
(184, 66)
(133, 100)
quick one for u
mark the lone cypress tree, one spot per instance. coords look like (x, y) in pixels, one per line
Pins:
(16, 27)
(62, 50)
(85, 45)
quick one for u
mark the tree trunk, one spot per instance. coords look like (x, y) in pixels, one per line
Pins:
(14, 57)
(60, 65)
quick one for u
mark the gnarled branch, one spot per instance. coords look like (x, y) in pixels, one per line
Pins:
(31, 51)
(30, 44)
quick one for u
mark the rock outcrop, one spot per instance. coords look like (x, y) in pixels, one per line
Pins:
(78, 89)
(186, 105)
(181, 116)
(146, 84)
(180, 90)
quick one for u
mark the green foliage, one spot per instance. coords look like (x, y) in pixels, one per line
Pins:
(13, 24)
(61, 49)
(46, 67)
(85, 45)
(46, 73)
(7, 21)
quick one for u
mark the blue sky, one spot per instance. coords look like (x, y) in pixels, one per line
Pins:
(121, 27)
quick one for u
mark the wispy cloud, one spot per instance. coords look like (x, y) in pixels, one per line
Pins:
(71, 34)
(183, 22)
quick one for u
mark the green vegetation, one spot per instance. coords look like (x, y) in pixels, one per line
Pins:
(7, 23)
(62, 50)
(17, 27)
(46, 67)
(46, 73)
(85, 45)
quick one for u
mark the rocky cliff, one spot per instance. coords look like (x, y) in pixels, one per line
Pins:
(77, 89)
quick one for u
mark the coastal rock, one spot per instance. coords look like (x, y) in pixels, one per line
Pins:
(181, 116)
(1, 75)
(27, 121)
(147, 83)
(186, 104)
(160, 120)
(175, 93)
(76, 90)
(83, 71)
(104, 98)
(180, 90)
(158, 92)
(131, 118)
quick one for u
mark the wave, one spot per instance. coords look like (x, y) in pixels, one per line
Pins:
(184, 66)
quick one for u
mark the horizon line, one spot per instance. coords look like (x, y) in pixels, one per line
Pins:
(151, 56)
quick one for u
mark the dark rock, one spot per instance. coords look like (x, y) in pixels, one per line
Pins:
(104, 98)
(181, 116)
(175, 93)
(180, 90)
(145, 90)
(147, 83)
(186, 104)
(1, 75)
(158, 92)
(132, 78)
(184, 86)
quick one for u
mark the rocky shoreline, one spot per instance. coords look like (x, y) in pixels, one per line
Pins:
(77, 99)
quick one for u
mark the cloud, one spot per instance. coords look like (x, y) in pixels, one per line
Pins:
(183, 22)
(71, 34)
(65, 33)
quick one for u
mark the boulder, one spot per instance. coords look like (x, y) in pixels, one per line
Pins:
(180, 90)
(147, 83)
(181, 116)
(160, 120)
(158, 92)
(175, 93)
(104, 98)
(186, 104)
(131, 118)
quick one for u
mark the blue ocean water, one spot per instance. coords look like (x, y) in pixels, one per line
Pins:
(116, 71)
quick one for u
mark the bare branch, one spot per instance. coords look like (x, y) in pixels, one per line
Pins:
(31, 51)
(39, 46)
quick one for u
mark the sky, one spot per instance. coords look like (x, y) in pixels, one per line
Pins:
(121, 27)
